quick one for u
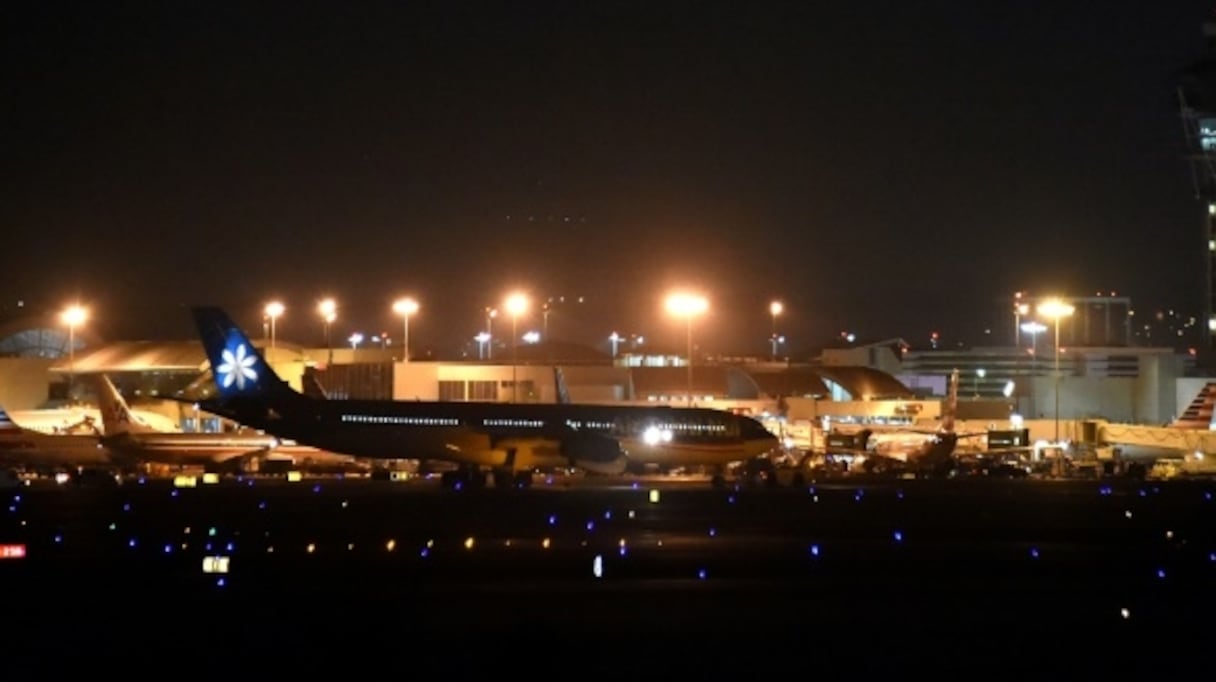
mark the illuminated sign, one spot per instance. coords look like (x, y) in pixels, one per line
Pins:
(12, 551)
(1009, 439)
(848, 441)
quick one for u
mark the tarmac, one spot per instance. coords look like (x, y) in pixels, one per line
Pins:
(614, 577)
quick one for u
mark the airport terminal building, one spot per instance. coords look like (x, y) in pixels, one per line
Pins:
(884, 381)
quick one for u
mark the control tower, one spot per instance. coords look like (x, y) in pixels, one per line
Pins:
(1197, 104)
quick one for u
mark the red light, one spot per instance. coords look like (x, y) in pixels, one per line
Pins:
(12, 551)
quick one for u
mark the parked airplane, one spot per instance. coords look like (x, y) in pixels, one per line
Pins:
(923, 452)
(25, 448)
(78, 420)
(510, 438)
(136, 442)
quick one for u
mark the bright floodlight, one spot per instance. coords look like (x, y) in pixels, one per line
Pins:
(1055, 309)
(274, 309)
(74, 315)
(405, 306)
(686, 304)
(775, 308)
(516, 304)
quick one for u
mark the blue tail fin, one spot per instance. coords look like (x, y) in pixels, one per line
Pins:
(6, 423)
(236, 365)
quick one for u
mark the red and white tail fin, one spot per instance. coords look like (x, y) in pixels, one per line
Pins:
(1199, 414)
(951, 407)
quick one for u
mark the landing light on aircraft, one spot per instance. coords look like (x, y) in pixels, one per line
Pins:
(653, 435)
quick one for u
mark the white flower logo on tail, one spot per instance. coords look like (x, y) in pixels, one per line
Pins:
(237, 368)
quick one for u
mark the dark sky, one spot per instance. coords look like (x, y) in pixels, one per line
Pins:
(886, 168)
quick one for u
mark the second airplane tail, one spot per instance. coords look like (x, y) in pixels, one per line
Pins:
(116, 417)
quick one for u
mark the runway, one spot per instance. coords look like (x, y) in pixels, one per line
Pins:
(675, 574)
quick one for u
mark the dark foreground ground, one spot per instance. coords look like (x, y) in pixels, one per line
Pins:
(573, 580)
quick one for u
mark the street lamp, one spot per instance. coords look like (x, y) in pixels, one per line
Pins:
(775, 309)
(687, 305)
(614, 339)
(273, 310)
(72, 316)
(1033, 328)
(516, 304)
(1020, 310)
(482, 339)
(405, 307)
(979, 374)
(491, 313)
(1055, 309)
(329, 312)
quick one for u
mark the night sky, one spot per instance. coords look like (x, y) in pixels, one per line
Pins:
(884, 168)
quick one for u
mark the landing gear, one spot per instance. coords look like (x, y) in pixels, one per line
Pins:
(464, 477)
(472, 477)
